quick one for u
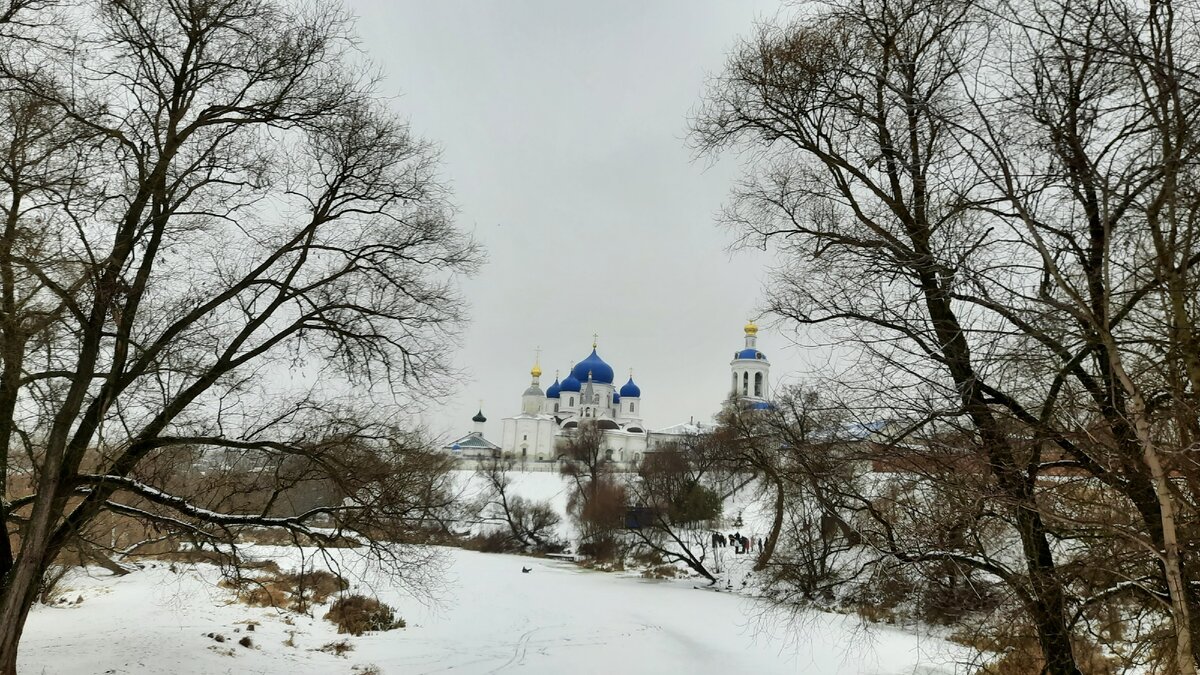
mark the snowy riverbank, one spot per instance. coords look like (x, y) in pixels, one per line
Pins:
(489, 617)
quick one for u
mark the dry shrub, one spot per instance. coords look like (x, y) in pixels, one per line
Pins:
(258, 592)
(292, 590)
(601, 565)
(663, 572)
(265, 566)
(876, 613)
(1022, 656)
(649, 558)
(338, 648)
(192, 556)
(357, 614)
(314, 586)
(270, 536)
(493, 541)
(603, 548)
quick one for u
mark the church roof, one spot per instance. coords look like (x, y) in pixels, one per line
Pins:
(594, 367)
(686, 428)
(570, 383)
(750, 354)
(631, 390)
(472, 442)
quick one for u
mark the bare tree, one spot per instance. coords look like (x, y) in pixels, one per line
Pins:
(597, 499)
(674, 490)
(530, 524)
(851, 113)
(211, 192)
(1103, 104)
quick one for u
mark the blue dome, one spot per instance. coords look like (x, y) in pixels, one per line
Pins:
(750, 354)
(600, 371)
(570, 383)
(552, 392)
(631, 390)
(616, 398)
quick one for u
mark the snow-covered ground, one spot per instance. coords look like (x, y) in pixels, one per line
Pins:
(551, 487)
(488, 618)
(485, 617)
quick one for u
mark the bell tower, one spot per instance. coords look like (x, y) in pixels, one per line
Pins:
(750, 369)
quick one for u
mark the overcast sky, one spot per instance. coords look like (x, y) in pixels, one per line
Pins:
(562, 126)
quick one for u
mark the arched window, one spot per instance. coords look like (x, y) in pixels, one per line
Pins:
(555, 407)
(734, 383)
(758, 380)
(631, 406)
(746, 384)
(571, 402)
(608, 454)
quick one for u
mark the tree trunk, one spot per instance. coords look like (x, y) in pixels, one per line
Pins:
(1047, 606)
(1171, 553)
(17, 596)
(768, 550)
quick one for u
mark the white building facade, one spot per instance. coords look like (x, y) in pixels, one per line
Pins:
(588, 394)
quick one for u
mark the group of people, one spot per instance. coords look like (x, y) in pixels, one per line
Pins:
(739, 543)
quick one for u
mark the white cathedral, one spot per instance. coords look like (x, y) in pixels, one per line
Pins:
(589, 394)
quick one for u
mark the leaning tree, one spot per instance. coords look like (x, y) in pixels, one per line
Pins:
(217, 241)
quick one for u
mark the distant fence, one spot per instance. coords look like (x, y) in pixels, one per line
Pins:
(534, 465)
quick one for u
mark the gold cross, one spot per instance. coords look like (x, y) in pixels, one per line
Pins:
(595, 339)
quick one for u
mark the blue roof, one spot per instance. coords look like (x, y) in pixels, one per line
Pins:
(750, 354)
(761, 405)
(570, 383)
(631, 390)
(595, 367)
(616, 397)
(552, 391)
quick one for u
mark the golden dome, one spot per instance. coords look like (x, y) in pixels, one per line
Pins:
(751, 327)
(536, 370)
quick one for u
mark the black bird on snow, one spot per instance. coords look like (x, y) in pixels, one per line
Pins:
(526, 570)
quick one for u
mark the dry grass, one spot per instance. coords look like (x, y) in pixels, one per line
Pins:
(278, 537)
(339, 648)
(192, 556)
(357, 614)
(1022, 656)
(663, 572)
(296, 591)
(876, 613)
